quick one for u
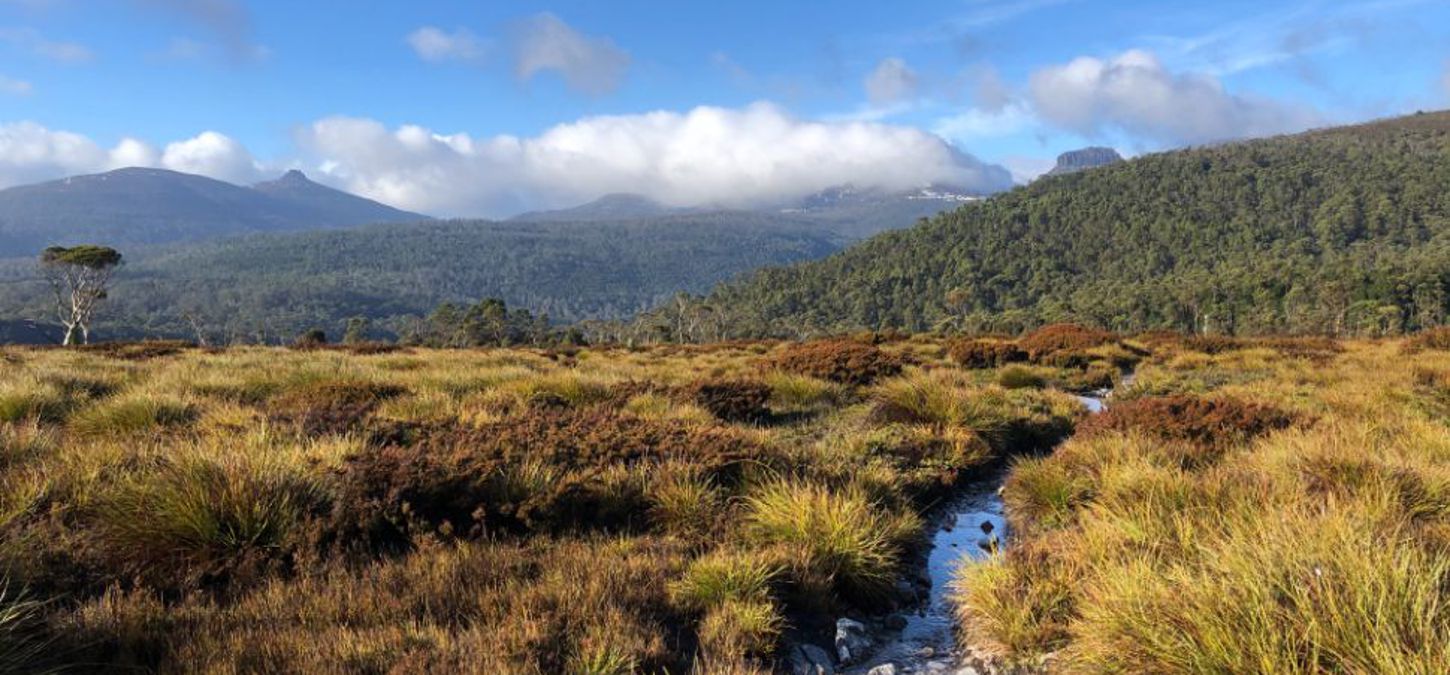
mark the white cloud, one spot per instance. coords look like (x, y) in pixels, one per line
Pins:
(436, 45)
(1134, 93)
(212, 154)
(132, 152)
(591, 65)
(752, 155)
(30, 153)
(891, 81)
(31, 41)
(14, 87)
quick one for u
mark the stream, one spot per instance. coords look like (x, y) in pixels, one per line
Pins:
(969, 527)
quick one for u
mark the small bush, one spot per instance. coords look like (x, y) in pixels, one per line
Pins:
(544, 471)
(980, 353)
(1063, 344)
(1211, 422)
(732, 400)
(1437, 339)
(1018, 377)
(329, 407)
(842, 361)
(138, 351)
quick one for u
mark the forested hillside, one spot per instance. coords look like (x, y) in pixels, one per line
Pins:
(275, 286)
(1344, 230)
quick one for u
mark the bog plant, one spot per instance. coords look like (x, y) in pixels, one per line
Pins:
(699, 508)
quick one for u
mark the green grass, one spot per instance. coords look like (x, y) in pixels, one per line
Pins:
(843, 536)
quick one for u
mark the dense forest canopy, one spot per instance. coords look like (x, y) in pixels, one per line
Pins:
(273, 287)
(1343, 231)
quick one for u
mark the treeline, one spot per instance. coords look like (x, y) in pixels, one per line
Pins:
(1344, 231)
(270, 288)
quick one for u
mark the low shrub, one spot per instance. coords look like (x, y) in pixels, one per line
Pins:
(329, 407)
(1213, 422)
(137, 351)
(732, 400)
(980, 353)
(543, 471)
(1437, 339)
(1063, 344)
(843, 361)
(926, 461)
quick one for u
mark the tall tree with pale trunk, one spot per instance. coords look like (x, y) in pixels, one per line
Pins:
(78, 276)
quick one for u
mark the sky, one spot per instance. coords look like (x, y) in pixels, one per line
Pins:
(486, 108)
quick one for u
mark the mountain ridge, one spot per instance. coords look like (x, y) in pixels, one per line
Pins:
(137, 206)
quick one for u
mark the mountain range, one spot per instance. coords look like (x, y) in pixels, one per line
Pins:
(279, 257)
(138, 207)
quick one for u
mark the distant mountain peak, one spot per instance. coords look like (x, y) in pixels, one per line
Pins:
(613, 206)
(138, 206)
(1083, 159)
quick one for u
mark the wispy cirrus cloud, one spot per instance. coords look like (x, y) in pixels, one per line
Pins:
(436, 45)
(31, 41)
(589, 64)
(14, 87)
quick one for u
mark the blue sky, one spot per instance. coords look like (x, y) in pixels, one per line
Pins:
(467, 107)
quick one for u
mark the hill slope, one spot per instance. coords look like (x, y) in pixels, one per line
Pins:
(282, 284)
(133, 207)
(1342, 230)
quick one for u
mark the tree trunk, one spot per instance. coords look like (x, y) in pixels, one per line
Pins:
(70, 336)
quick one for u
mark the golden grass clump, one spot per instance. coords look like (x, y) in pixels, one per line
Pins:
(1266, 505)
(1215, 535)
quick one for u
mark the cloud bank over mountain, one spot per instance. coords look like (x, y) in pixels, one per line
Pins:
(708, 155)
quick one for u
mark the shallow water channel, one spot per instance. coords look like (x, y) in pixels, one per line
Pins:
(969, 527)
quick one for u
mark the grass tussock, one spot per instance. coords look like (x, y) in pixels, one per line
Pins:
(1217, 534)
(697, 508)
